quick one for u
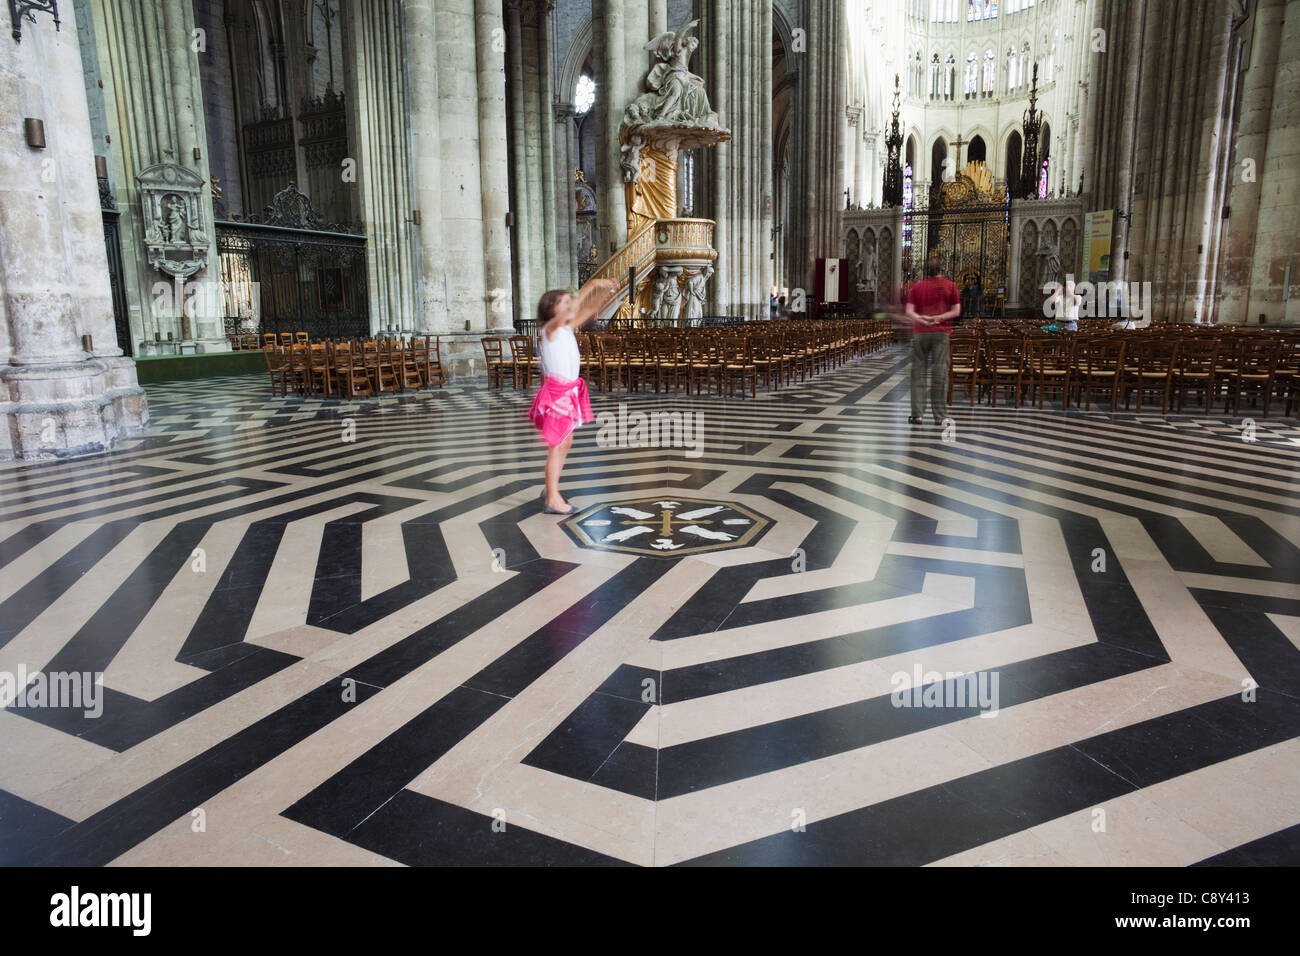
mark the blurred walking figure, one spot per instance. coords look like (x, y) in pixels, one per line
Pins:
(932, 304)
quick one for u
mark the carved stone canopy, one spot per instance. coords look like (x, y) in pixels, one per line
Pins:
(673, 113)
(174, 219)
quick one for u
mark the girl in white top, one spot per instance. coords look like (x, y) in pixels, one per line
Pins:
(1065, 305)
(557, 315)
(559, 353)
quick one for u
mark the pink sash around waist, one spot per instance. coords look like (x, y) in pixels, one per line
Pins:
(559, 408)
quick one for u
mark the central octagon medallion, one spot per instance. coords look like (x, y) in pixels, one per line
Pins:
(666, 527)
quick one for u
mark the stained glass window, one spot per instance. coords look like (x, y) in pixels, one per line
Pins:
(1042, 182)
(585, 95)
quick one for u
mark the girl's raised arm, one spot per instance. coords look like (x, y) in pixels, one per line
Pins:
(592, 297)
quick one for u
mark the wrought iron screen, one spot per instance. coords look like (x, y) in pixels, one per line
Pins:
(293, 272)
(970, 231)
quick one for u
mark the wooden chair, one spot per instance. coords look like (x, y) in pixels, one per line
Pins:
(668, 364)
(1004, 358)
(1149, 366)
(299, 368)
(1287, 378)
(640, 360)
(588, 359)
(738, 366)
(269, 340)
(301, 338)
(1048, 363)
(428, 358)
(250, 342)
(277, 363)
(964, 364)
(797, 353)
(320, 376)
(768, 359)
(1195, 370)
(523, 360)
(350, 372)
(380, 361)
(496, 361)
(613, 361)
(408, 365)
(1253, 376)
(1098, 365)
(702, 365)
(286, 339)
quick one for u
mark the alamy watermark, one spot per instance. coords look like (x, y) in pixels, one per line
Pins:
(208, 299)
(651, 430)
(948, 689)
(79, 690)
(1100, 300)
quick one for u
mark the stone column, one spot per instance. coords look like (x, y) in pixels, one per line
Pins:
(462, 185)
(420, 41)
(874, 174)
(1275, 235)
(721, 72)
(658, 18)
(1130, 88)
(564, 209)
(862, 184)
(498, 307)
(521, 231)
(1255, 114)
(533, 211)
(817, 191)
(191, 142)
(636, 61)
(546, 101)
(738, 80)
(55, 399)
(376, 104)
(607, 29)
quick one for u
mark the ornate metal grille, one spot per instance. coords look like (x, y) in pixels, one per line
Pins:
(970, 232)
(293, 272)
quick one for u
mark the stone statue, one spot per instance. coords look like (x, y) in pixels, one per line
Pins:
(675, 94)
(631, 158)
(657, 295)
(175, 226)
(672, 297)
(172, 207)
(694, 293)
(1050, 269)
(867, 271)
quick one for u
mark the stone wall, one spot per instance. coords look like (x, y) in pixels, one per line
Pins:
(1194, 136)
(56, 397)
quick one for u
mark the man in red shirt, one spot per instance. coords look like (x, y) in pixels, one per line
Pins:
(932, 304)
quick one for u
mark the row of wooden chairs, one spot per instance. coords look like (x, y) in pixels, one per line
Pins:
(734, 359)
(252, 342)
(355, 369)
(1127, 366)
(521, 362)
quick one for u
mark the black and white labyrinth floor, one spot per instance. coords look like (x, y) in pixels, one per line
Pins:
(278, 631)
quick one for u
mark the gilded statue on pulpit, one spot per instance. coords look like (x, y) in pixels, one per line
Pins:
(672, 114)
(652, 193)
